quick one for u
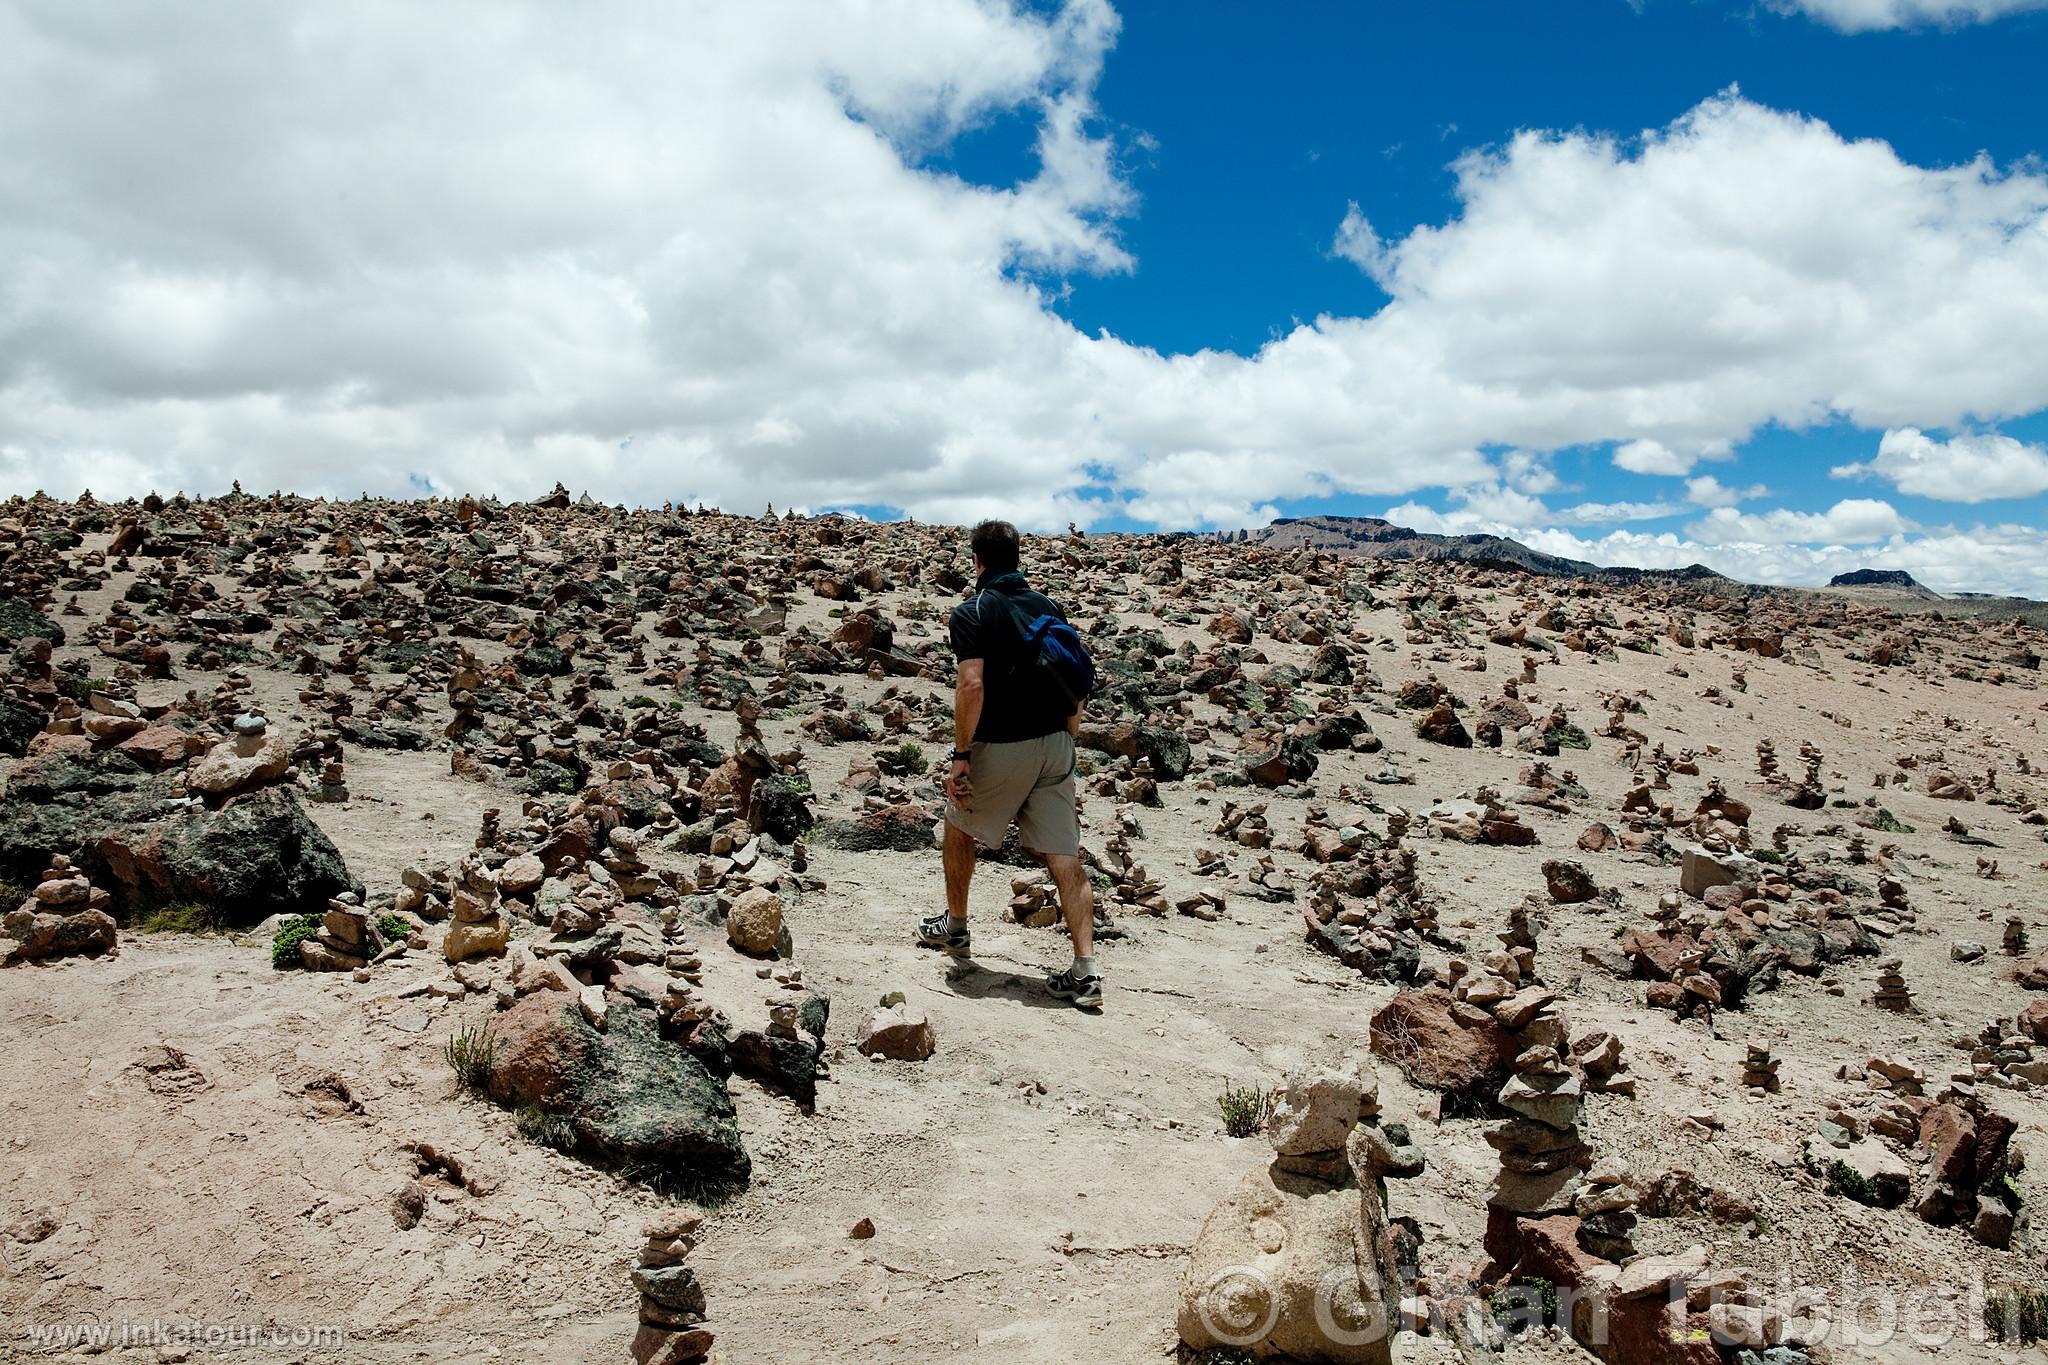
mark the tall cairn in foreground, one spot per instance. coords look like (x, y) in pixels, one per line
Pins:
(672, 1330)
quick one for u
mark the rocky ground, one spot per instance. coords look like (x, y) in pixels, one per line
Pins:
(1580, 895)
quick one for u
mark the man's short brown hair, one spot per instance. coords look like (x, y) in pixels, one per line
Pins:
(995, 545)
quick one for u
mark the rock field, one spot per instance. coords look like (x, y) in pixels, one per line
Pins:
(485, 929)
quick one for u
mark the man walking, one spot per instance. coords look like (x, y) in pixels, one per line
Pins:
(1013, 760)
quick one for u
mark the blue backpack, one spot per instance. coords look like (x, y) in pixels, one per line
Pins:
(1053, 649)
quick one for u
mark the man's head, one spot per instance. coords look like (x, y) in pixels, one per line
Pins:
(995, 546)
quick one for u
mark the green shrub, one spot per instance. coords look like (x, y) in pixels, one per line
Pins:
(1245, 1108)
(640, 702)
(903, 761)
(469, 1054)
(394, 926)
(2016, 1314)
(183, 917)
(12, 894)
(1524, 1303)
(284, 946)
(1844, 1180)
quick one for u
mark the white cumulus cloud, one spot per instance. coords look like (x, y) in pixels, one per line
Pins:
(1968, 468)
(1863, 16)
(479, 244)
(1852, 521)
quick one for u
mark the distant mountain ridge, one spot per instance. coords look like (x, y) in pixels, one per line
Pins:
(1378, 538)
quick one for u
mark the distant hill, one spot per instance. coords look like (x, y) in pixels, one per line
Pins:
(1875, 578)
(1377, 538)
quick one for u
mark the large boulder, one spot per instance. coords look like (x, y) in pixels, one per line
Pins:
(256, 856)
(778, 808)
(631, 1098)
(1288, 1265)
(19, 621)
(239, 764)
(18, 725)
(1443, 1043)
(904, 828)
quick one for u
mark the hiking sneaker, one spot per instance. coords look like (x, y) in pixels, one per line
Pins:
(939, 932)
(1084, 991)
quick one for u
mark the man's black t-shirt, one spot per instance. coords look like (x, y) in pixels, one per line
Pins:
(1016, 704)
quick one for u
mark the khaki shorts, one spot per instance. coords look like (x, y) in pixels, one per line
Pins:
(1030, 781)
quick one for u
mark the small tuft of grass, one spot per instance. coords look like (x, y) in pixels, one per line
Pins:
(12, 894)
(683, 1186)
(2015, 1313)
(548, 1129)
(1245, 1108)
(394, 926)
(183, 917)
(284, 945)
(469, 1052)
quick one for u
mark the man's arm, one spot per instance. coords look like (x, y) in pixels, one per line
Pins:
(1074, 721)
(967, 699)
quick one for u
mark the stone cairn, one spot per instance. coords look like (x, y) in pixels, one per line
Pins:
(1760, 1069)
(1542, 1154)
(479, 927)
(1310, 1227)
(1607, 1212)
(2015, 941)
(672, 1330)
(64, 916)
(347, 939)
(333, 787)
(1891, 991)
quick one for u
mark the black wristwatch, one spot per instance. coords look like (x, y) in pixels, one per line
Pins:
(962, 755)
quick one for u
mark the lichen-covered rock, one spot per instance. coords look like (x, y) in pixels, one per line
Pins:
(630, 1097)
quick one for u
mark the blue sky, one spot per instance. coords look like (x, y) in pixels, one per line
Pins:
(1762, 285)
(1247, 133)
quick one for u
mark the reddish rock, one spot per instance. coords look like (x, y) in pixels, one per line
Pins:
(1441, 1042)
(534, 1053)
(2033, 1021)
(899, 1033)
(1550, 1250)
(159, 746)
(1949, 1137)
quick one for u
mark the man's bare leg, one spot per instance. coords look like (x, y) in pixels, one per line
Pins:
(959, 855)
(1077, 901)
